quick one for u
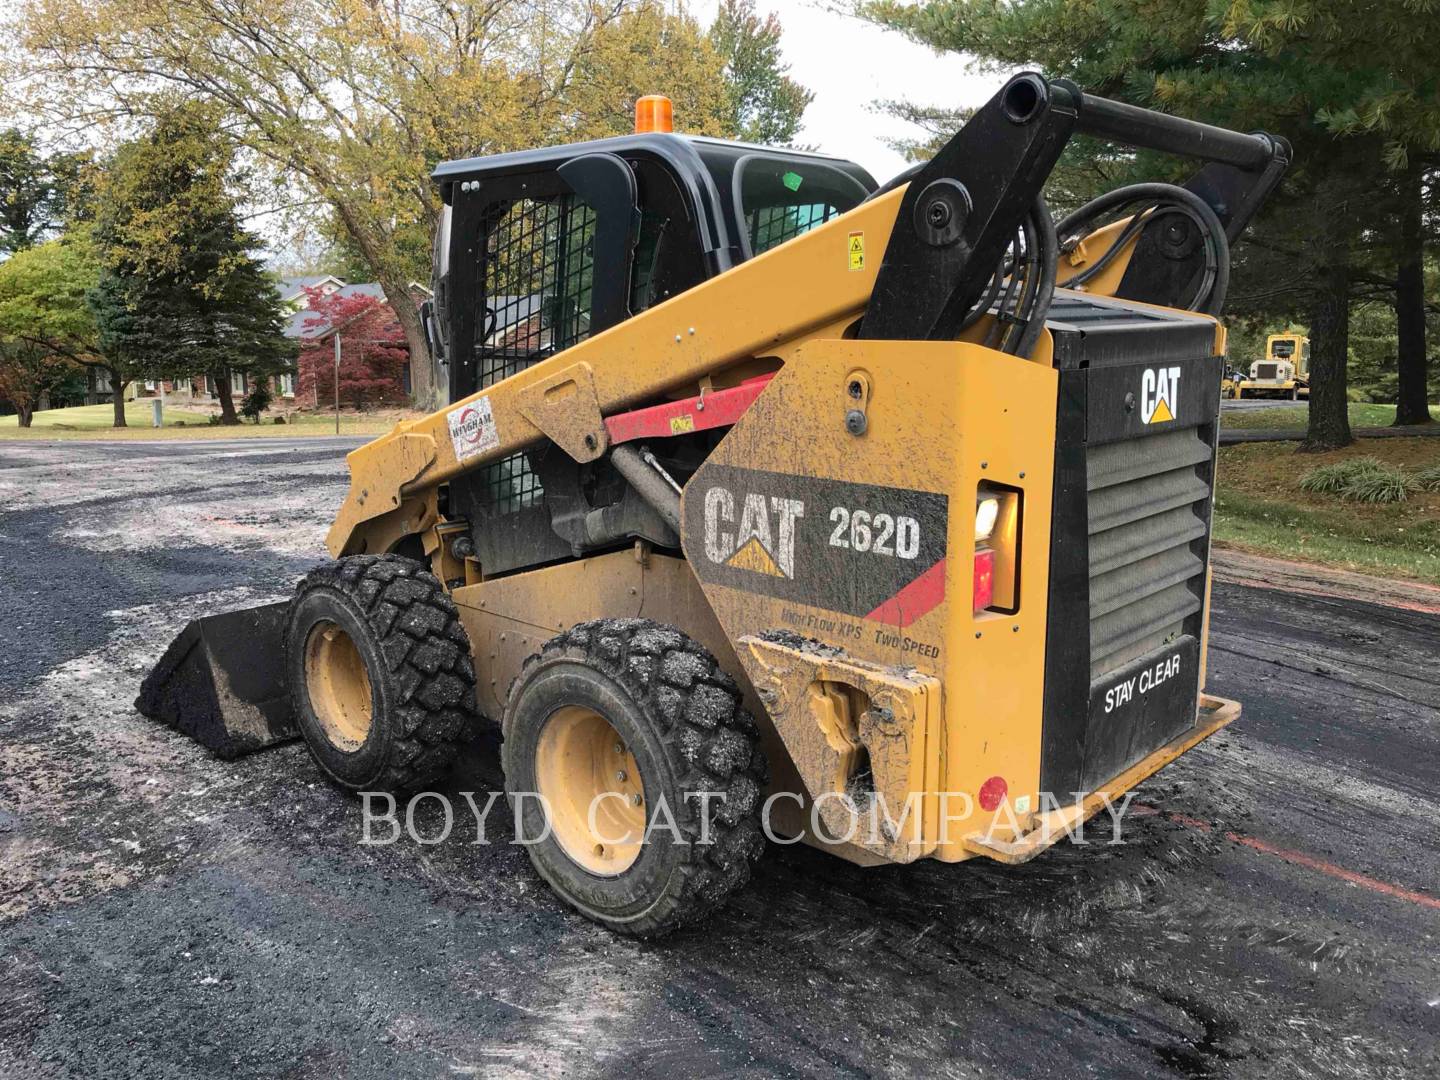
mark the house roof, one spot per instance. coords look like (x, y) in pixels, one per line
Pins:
(293, 288)
(309, 325)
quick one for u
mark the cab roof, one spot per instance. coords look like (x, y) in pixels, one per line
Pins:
(692, 151)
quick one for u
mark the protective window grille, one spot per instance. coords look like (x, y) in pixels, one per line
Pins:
(539, 273)
(771, 226)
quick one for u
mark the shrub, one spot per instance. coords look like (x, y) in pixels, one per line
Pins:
(1429, 478)
(1381, 486)
(1364, 479)
(257, 400)
(1334, 478)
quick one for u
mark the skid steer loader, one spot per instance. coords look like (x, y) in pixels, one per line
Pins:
(877, 515)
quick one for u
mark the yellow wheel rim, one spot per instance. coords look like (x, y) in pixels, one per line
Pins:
(338, 685)
(591, 786)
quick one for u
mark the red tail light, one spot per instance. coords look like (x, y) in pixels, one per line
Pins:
(984, 578)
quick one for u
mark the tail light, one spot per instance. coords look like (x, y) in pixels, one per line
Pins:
(984, 578)
(997, 548)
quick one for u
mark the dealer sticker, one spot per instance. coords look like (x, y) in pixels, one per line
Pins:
(472, 428)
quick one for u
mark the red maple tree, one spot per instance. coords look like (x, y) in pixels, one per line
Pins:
(372, 351)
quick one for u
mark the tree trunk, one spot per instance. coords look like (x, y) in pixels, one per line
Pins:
(25, 414)
(1411, 404)
(117, 396)
(227, 398)
(424, 394)
(1329, 355)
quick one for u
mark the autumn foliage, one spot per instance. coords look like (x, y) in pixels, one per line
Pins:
(373, 353)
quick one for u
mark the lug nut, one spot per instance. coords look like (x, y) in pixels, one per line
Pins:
(620, 776)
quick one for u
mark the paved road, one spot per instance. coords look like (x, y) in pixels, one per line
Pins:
(1245, 404)
(162, 914)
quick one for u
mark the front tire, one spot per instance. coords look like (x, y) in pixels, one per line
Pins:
(380, 674)
(633, 718)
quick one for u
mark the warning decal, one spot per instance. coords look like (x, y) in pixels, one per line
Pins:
(855, 247)
(472, 428)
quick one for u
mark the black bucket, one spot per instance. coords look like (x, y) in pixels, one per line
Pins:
(222, 682)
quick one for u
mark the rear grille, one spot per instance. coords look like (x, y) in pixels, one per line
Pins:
(1148, 502)
(1266, 371)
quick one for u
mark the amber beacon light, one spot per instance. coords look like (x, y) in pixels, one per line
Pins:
(654, 112)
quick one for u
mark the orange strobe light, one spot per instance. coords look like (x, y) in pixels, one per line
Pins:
(653, 112)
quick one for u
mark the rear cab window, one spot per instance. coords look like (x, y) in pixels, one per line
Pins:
(779, 197)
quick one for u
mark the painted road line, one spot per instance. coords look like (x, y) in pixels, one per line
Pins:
(1298, 858)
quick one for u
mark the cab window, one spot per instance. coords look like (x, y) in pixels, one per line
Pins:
(780, 198)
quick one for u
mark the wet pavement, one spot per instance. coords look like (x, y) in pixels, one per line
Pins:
(1271, 911)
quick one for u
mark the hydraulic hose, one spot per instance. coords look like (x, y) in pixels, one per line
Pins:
(1049, 259)
(1164, 199)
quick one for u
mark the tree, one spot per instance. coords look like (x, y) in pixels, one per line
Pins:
(357, 101)
(44, 324)
(764, 104)
(646, 50)
(1348, 82)
(35, 191)
(372, 350)
(1412, 397)
(180, 292)
(124, 335)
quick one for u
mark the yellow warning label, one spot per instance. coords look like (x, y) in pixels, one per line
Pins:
(679, 425)
(856, 249)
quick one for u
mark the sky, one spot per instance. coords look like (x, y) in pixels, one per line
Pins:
(850, 65)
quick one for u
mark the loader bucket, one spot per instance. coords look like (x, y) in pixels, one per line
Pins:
(222, 682)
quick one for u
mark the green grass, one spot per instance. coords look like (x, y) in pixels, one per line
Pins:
(95, 422)
(1261, 506)
(1361, 415)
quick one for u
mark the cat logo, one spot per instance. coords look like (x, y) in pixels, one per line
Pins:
(1159, 395)
(764, 539)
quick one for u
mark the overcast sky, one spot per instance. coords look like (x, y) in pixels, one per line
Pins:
(850, 65)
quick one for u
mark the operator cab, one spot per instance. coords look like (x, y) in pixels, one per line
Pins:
(539, 249)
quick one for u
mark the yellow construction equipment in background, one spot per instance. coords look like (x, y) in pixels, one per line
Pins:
(1283, 373)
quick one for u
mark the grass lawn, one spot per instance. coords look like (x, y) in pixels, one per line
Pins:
(1292, 417)
(94, 422)
(1259, 507)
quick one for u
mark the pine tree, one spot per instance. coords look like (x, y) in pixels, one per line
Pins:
(180, 292)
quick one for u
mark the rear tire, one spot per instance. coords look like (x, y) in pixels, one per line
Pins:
(620, 708)
(380, 673)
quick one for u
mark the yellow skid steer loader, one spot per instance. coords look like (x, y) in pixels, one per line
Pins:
(770, 498)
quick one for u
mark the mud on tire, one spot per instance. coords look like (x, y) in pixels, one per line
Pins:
(681, 717)
(392, 618)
